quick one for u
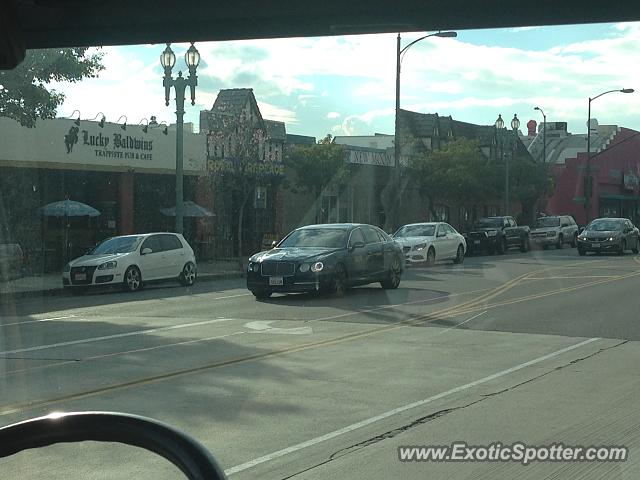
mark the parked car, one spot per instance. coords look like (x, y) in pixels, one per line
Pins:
(426, 242)
(609, 235)
(497, 235)
(326, 258)
(12, 260)
(132, 261)
(555, 230)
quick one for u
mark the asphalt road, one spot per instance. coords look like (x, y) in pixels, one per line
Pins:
(539, 347)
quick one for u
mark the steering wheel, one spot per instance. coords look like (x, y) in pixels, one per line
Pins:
(191, 457)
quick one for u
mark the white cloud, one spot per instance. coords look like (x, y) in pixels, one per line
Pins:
(272, 112)
(332, 115)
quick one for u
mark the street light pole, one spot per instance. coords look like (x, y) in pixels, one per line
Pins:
(396, 140)
(544, 135)
(588, 184)
(180, 84)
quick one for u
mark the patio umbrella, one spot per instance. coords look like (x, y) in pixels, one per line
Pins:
(68, 208)
(189, 209)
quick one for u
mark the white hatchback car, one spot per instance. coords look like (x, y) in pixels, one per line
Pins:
(426, 242)
(133, 260)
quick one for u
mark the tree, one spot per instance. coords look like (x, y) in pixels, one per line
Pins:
(317, 167)
(457, 173)
(24, 91)
(530, 182)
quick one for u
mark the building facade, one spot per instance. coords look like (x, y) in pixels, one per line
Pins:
(126, 173)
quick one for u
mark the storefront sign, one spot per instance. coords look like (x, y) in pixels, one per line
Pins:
(63, 144)
(219, 165)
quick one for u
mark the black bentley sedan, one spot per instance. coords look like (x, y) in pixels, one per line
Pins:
(326, 258)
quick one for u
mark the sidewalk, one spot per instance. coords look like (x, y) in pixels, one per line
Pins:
(51, 283)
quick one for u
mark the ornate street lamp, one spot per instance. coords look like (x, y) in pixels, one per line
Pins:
(505, 140)
(168, 61)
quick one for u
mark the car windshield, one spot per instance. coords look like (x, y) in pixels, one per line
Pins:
(316, 237)
(489, 223)
(267, 183)
(116, 245)
(605, 225)
(416, 231)
(548, 222)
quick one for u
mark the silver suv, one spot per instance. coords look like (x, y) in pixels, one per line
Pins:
(555, 230)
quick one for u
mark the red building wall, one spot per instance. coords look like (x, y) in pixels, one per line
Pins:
(621, 157)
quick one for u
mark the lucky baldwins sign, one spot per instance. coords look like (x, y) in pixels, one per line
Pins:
(116, 145)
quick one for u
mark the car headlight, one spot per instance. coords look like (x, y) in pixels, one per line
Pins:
(611, 239)
(551, 234)
(317, 267)
(253, 266)
(581, 238)
(492, 233)
(108, 265)
(420, 246)
(67, 268)
(305, 267)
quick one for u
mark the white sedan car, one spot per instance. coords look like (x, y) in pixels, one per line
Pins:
(428, 242)
(131, 261)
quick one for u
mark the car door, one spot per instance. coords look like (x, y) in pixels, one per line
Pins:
(356, 256)
(511, 231)
(452, 241)
(173, 256)
(151, 264)
(630, 234)
(375, 252)
(440, 242)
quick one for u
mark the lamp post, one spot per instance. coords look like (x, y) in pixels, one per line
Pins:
(588, 184)
(399, 55)
(168, 60)
(544, 134)
(505, 140)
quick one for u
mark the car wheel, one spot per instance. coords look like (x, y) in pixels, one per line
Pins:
(261, 294)
(635, 250)
(188, 275)
(431, 256)
(525, 246)
(581, 252)
(574, 241)
(393, 276)
(559, 242)
(623, 247)
(132, 279)
(459, 255)
(340, 283)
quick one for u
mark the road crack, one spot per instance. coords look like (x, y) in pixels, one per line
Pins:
(441, 413)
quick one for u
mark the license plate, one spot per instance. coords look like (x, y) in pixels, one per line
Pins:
(595, 245)
(275, 281)
(80, 276)
(476, 242)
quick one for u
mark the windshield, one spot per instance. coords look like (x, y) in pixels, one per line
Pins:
(116, 245)
(270, 317)
(548, 222)
(316, 237)
(416, 231)
(605, 225)
(489, 223)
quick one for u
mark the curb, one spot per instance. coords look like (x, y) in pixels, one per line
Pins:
(55, 292)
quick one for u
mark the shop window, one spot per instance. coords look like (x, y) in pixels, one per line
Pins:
(441, 213)
(329, 209)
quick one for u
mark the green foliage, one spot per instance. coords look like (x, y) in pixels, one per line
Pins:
(25, 94)
(317, 166)
(457, 173)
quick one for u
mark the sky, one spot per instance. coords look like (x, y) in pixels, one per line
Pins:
(345, 85)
